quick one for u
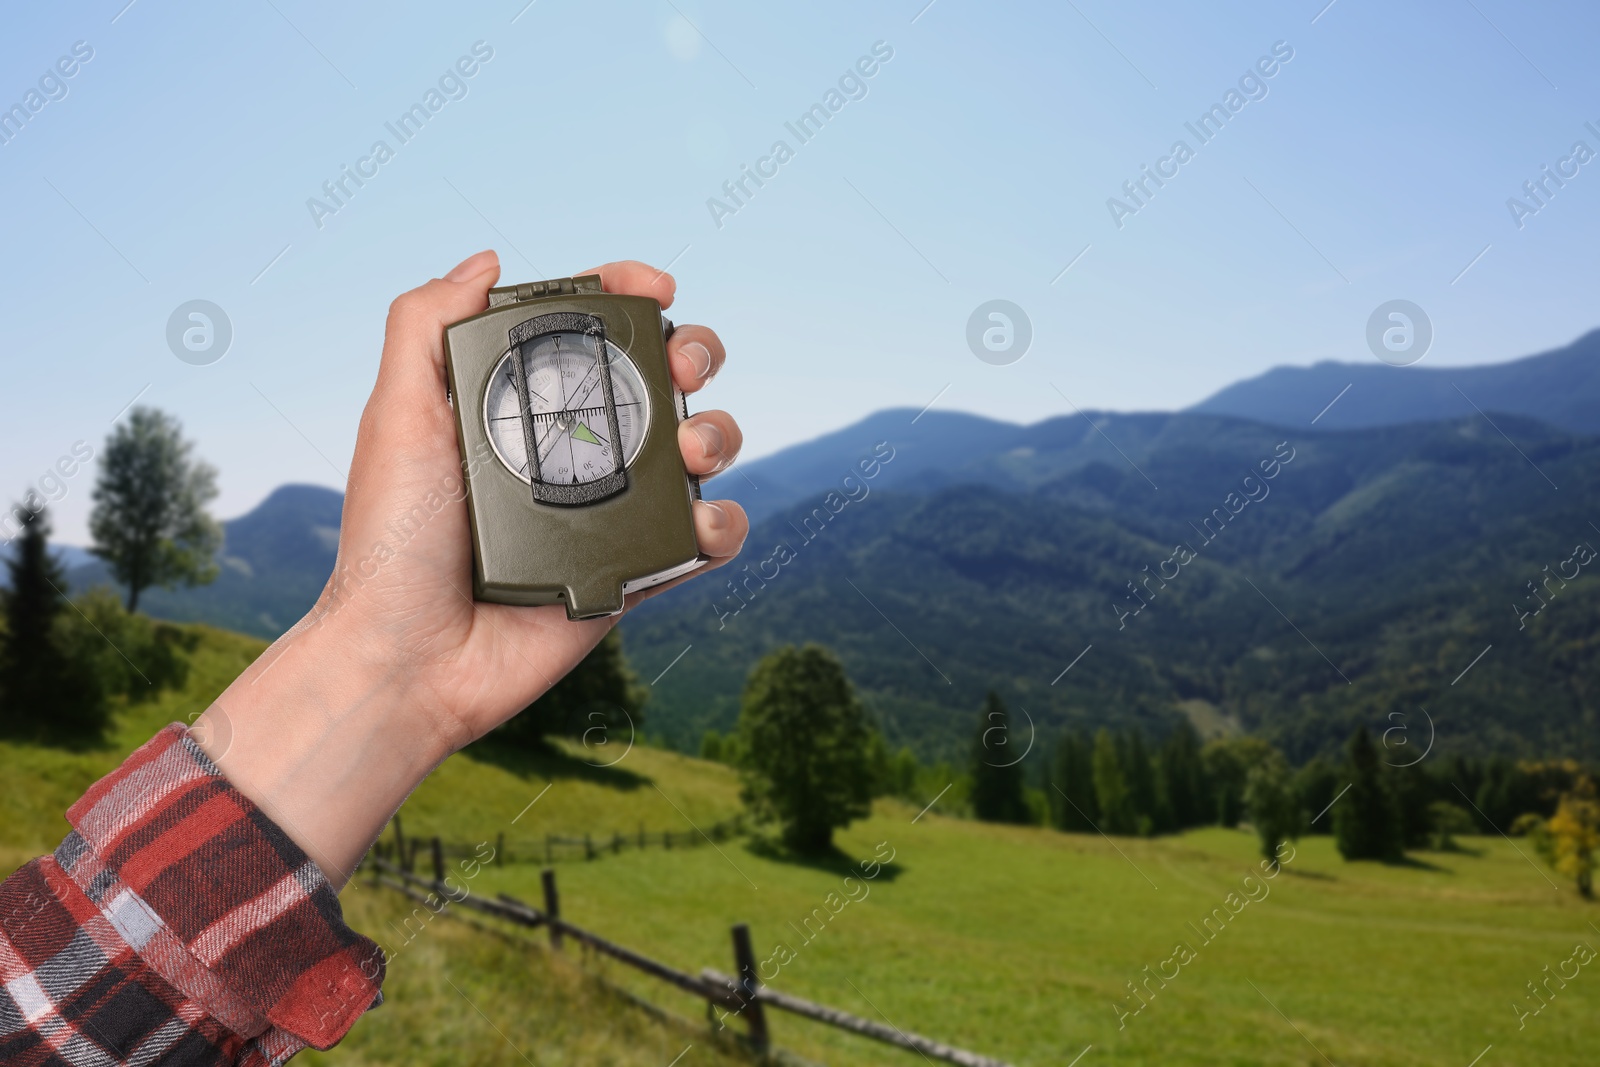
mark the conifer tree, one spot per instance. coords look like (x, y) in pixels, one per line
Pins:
(44, 694)
(1366, 822)
(1111, 786)
(998, 793)
(1072, 799)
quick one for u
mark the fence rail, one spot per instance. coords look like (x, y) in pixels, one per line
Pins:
(554, 848)
(743, 995)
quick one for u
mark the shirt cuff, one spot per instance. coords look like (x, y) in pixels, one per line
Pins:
(218, 900)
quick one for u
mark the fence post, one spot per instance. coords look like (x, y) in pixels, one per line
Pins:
(744, 959)
(641, 829)
(666, 839)
(552, 906)
(438, 861)
(548, 857)
(500, 848)
(588, 847)
(616, 842)
(399, 843)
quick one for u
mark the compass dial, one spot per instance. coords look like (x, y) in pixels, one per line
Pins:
(567, 399)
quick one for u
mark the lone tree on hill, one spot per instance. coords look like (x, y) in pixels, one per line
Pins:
(1366, 822)
(998, 793)
(149, 521)
(600, 702)
(806, 746)
(43, 692)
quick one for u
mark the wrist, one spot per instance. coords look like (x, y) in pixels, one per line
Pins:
(328, 742)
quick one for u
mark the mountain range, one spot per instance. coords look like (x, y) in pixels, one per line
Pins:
(1247, 563)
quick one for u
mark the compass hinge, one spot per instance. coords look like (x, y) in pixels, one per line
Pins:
(511, 294)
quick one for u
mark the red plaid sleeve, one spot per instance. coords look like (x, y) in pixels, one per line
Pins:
(176, 924)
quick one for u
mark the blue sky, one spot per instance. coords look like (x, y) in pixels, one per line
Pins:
(975, 164)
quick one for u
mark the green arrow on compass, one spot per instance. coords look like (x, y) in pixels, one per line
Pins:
(583, 433)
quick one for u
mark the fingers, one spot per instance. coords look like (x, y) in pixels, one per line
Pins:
(633, 278)
(696, 354)
(710, 442)
(413, 345)
(721, 527)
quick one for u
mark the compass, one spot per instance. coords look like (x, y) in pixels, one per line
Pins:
(566, 416)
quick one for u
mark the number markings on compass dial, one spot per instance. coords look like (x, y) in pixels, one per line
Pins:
(566, 396)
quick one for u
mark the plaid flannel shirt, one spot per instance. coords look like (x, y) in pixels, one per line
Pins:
(176, 924)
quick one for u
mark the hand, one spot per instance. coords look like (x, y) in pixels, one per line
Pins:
(396, 666)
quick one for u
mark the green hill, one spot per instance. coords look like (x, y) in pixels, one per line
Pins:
(1014, 941)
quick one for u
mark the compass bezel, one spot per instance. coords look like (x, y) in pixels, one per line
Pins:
(531, 331)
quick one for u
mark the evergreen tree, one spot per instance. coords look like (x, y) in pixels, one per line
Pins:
(998, 793)
(45, 692)
(1412, 794)
(1143, 798)
(149, 521)
(806, 745)
(1317, 783)
(1180, 778)
(1366, 822)
(1111, 786)
(1072, 797)
(600, 702)
(1273, 806)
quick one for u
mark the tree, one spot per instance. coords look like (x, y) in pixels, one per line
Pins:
(998, 793)
(1411, 790)
(1181, 780)
(149, 521)
(1366, 822)
(45, 691)
(1227, 763)
(711, 746)
(807, 746)
(1111, 786)
(1072, 798)
(1317, 783)
(600, 702)
(1272, 803)
(1143, 798)
(1572, 835)
(1448, 820)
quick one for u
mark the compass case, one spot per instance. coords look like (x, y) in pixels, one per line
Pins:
(586, 557)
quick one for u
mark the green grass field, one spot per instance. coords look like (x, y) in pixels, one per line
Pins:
(1014, 942)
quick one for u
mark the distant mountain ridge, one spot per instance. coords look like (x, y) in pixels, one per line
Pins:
(274, 562)
(1560, 387)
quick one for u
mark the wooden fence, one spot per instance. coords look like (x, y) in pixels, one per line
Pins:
(553, 848)
(740, 994)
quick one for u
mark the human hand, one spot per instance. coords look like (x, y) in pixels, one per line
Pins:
(397, 661)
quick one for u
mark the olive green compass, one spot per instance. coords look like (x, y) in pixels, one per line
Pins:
(567, 419)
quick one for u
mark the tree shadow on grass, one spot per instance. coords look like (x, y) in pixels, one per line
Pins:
(550, 761)
(834, 861)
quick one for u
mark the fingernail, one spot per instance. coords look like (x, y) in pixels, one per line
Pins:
(711, 440)
(698, 355)
(472, 266)
(718, 518)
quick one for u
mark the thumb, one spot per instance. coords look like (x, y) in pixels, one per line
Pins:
(412, 369)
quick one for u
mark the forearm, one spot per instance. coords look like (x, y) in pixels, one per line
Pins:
(326, 740)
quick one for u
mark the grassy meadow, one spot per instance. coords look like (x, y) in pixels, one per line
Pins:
(1014, 942)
